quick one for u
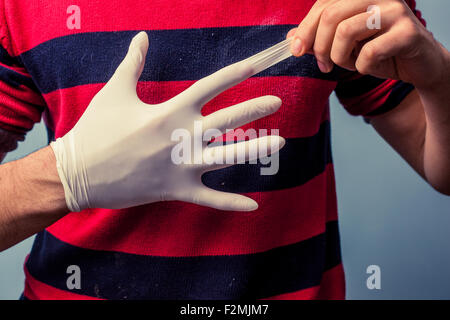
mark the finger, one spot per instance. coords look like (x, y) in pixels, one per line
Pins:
(242, 113)
(378, 53)
(348, 33)
(130, 69)
(222, 156)
(331, 17)
(209, 87)
(291, 33)
(220, 200)
(306, 32)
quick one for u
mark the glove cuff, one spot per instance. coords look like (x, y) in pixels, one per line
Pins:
(71, 173)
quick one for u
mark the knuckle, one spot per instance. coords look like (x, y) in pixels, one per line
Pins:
(398, 7)
(320, 4)
(304, 24)
(305, 36)
(321, 52)
(411, 31)
(362, 67)
(329, 15)
(344, 30)
(338, 58)
(369, 52)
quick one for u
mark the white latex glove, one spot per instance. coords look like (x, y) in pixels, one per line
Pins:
(118, 154)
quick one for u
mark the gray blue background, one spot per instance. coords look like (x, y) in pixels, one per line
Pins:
(388, 215)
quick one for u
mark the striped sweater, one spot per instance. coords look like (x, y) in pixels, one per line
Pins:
(287, 249)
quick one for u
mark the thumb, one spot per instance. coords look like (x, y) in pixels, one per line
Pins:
(130, 69)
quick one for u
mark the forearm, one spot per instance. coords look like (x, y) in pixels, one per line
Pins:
(436, 148)
(31, 197)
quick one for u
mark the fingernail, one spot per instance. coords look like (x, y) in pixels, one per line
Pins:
(323, 67)
(297, 47)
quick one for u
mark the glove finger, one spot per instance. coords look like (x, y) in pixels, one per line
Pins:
(130, 69)
(222, 156)
(220, 200)
(242, 113)
(209, 87)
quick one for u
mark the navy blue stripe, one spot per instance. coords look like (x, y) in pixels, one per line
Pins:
(396, 96)
(357, 87)
(16, 79)
(115, 275)
(6, 59)
(300, 160)
(174, 55)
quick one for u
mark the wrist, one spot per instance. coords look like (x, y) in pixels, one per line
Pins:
(440, 84)
(44, 194)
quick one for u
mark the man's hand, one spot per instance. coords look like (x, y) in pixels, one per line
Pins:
(336, 31)
(119, 154)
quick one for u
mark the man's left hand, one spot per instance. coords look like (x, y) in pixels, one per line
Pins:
(337, 31)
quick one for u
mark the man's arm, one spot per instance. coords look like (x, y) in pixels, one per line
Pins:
(419, 130)
(31, 197)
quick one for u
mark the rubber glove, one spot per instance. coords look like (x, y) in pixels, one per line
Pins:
(118, 154)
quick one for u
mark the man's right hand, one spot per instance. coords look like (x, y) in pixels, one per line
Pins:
(118, 154)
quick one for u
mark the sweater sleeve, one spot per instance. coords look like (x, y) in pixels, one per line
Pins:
(21, 104)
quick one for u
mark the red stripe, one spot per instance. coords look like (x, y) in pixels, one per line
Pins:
(377, 97)
(37, 290)
(300, 114)
(20, 108)
(23, 94)
(183, 229)
(143, 15)
(332, 287)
